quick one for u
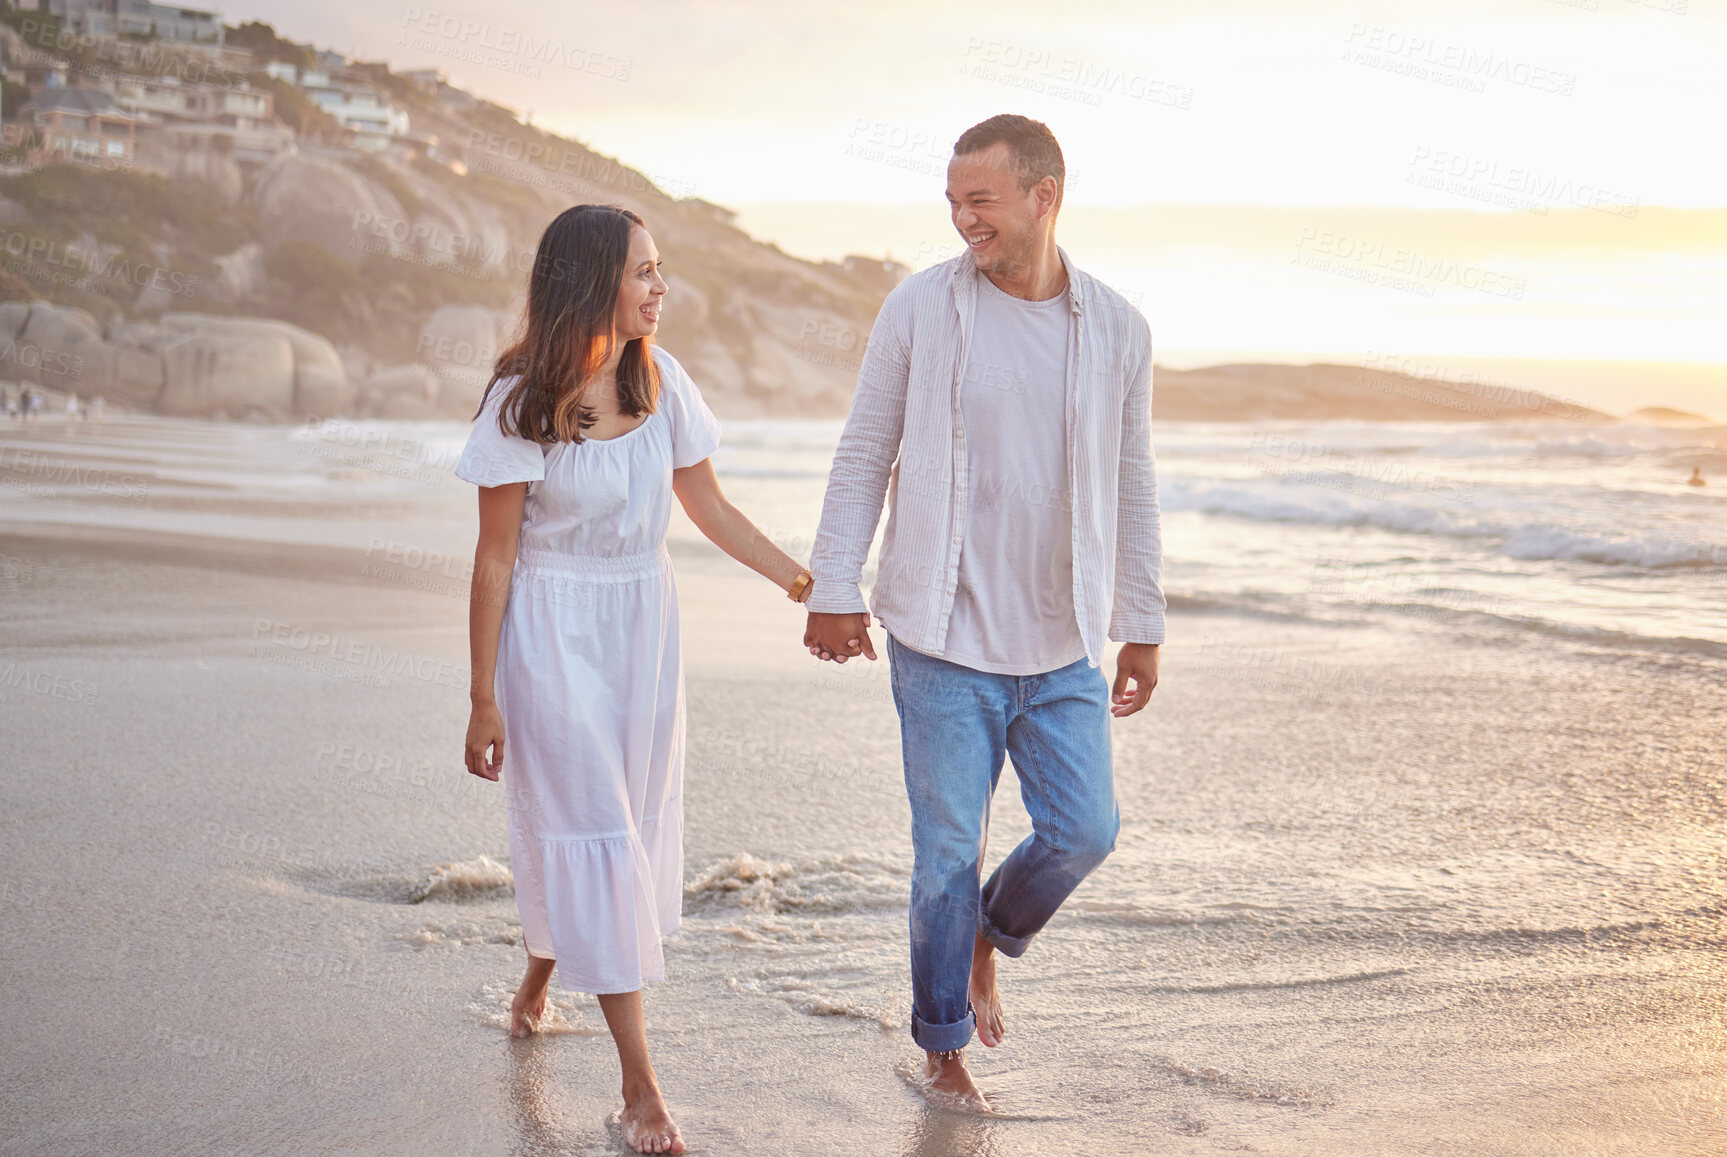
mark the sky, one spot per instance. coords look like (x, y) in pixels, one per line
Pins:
(1529, 181)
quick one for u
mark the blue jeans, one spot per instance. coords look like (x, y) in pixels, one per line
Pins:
(956, 724)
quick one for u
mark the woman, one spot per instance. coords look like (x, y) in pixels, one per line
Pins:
(585, 433)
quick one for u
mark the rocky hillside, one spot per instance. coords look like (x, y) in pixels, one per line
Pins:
(336, 282)
(380, 286)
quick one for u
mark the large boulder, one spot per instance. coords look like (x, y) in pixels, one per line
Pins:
(215, 367)
(319, 385)
(63, 348)
(322, 388)
(226, 373)
(400, 392)
(302, 198)
(213, 169)
(138, 376)
(187, 364)
(62, 329)
(459, 232)
(12, 315)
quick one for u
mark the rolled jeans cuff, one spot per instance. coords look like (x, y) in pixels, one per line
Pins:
(943, 1038)
(1012, 947)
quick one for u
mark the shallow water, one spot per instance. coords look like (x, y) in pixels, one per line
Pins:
(1384, 885)
(1560, 527)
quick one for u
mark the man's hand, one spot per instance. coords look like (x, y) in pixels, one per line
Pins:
(1137, 662)
(838, 637)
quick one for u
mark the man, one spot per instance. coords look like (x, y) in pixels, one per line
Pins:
(1004, 407)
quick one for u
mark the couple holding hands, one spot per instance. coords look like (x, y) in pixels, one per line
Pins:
(1003, 411)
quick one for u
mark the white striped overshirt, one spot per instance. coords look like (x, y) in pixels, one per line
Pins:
(904, 441)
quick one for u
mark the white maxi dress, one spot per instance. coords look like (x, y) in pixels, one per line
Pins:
(590, 685)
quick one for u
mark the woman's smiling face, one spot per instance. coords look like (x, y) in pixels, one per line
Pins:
(643, 289)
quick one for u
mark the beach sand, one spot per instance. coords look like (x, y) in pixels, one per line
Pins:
(1377, 891)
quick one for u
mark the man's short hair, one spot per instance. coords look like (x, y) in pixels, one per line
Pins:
(1031, 146)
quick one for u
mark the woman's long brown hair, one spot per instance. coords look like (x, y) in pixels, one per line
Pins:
(567, 332)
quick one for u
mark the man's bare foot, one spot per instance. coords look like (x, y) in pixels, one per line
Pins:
(985, 1000)
(947, 1083)
(526, 1009)
(648, 1126)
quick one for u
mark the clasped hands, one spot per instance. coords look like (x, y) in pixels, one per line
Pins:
(836, 638)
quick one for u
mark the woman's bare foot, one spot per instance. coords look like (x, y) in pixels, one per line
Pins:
(529, 1003)
(648, 1125)
(948, 1084)
(985, 1000)
(526, 1009)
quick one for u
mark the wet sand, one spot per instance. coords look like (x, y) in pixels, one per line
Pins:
(1377, 891)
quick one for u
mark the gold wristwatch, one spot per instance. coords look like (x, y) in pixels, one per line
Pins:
(799, 591)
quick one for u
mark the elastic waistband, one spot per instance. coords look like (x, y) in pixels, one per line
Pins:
(593, 565)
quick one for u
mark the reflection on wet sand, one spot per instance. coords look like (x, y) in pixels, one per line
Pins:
(939, 1133)
(537, 1116)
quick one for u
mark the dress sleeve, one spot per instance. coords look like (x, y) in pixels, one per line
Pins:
(695, 430)
(493, 458)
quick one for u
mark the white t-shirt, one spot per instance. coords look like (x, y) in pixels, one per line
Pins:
(1013, 610)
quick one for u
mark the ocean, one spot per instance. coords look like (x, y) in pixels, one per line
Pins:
(1421, 852)
(1578, 530)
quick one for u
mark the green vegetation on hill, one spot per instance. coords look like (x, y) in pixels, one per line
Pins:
(261, 41)
(92, 238)
(365, 248)
(296, 110)
(376, 304)
(179, 226)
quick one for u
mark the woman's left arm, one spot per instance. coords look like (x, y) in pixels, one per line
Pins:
(698, 488)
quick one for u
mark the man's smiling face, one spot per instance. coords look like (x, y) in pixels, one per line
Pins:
(1001, 223)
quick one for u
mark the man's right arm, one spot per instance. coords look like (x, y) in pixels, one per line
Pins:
(863, 462)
